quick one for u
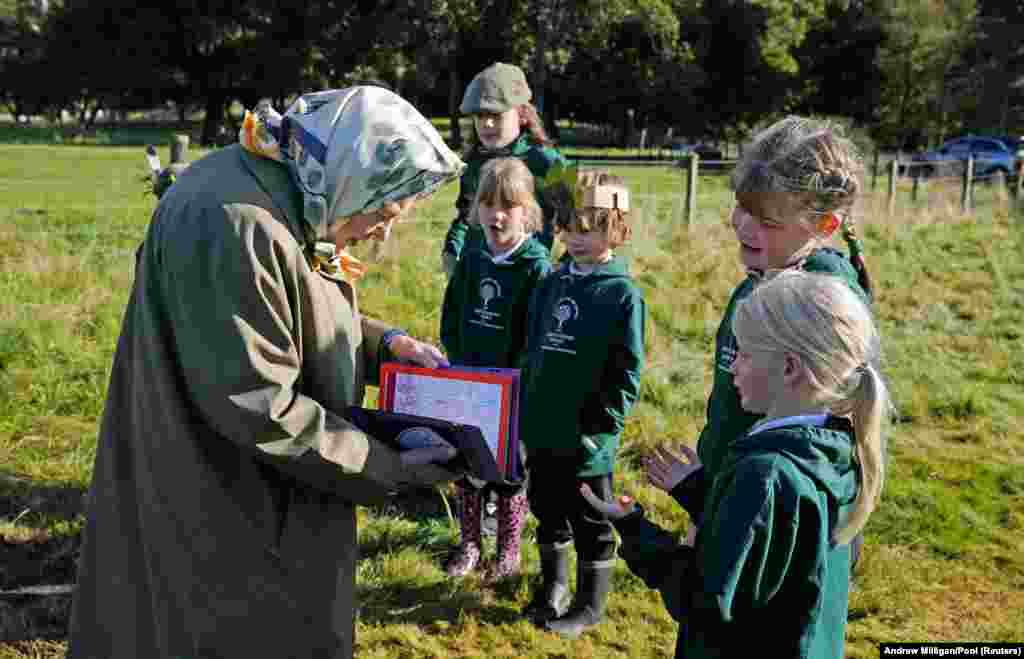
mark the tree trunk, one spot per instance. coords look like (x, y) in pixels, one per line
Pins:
(454, 98)
(551, 119)
(214, 117)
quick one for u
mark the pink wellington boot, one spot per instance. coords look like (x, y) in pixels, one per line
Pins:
(466, 557)
(511, 517)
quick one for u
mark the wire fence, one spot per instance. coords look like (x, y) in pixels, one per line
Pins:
(919, 176)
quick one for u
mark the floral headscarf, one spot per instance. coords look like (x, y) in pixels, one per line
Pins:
(351, 151)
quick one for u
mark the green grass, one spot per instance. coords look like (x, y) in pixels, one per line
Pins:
(944, 561)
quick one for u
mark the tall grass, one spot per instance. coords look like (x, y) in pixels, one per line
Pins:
(943, 559)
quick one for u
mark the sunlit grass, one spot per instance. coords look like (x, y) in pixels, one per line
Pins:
(943, 559)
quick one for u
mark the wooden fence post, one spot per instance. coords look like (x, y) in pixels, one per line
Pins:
(894, 172)
(917, 185)
(179, 147)
(874, 172)
(966, 191)
(691, 189)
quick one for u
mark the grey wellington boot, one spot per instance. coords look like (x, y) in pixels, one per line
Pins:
(552, 599)
(593, 583)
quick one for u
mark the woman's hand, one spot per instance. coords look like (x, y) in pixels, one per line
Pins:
(623, 507)
(416, 352)
(665, 470)
(427, 455)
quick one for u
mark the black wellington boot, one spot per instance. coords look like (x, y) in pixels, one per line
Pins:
(552, 599)
(593, 582)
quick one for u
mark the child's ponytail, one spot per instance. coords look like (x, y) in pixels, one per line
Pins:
(869, 407)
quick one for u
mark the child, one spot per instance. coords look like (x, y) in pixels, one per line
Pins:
(795, 185)
(772, 560)
(499, 100)
(585, 350)
(483, 324)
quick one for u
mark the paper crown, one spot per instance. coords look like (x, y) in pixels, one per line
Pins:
(561, 185)
(606, 196)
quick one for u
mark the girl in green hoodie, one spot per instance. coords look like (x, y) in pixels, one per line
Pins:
(483, 323)
(795, 187)
(772, 560)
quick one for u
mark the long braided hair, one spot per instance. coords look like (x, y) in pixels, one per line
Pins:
(815, 160)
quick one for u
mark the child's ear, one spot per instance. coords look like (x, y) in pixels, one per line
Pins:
(792, 369)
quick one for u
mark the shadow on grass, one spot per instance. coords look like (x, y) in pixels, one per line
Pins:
(443, 601)
(37, 565)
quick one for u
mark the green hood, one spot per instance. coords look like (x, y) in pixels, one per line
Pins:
(530, 250)
(613, 269)
(824, 454)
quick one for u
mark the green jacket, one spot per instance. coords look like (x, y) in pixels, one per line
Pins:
(763, 567)
(585, 351)
(538, 159)
(483, 317)
(726, 418)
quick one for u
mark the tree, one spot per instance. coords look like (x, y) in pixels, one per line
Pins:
(997, 65)
(924, 40)
(22, 58)
(839, 62)
(750, 54)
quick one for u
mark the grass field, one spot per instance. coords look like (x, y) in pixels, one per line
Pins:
(944, 558)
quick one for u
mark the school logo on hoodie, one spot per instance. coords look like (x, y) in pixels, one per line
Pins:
(565, 312)
(490, 290)
(727, 355)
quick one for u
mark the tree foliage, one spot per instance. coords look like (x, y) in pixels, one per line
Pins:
(910, 71)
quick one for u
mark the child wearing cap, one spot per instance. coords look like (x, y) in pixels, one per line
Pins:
(505, 124)
(584, 354)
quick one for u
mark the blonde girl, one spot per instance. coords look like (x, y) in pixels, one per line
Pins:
(796, 186)
(483, 320)
(792, 492)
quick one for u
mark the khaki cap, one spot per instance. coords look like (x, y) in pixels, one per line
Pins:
(498, 88)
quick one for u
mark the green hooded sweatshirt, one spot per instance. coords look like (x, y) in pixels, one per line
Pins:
(726, 418)
(483, 318)
(539, 159)
(585, 351)
(764, 567)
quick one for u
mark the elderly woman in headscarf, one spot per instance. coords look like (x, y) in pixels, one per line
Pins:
(221, 518)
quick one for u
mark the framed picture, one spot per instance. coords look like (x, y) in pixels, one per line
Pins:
(487, 398)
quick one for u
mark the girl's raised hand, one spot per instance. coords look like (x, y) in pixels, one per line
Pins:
(613, 510)
(665, 469)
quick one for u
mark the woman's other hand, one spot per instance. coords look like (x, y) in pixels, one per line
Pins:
(416, 352)
(612, 510)
(665, 469)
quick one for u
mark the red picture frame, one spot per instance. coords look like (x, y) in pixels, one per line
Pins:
(506, 449)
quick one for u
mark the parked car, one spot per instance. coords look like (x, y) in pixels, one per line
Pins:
(1016, 144)
(991, 156)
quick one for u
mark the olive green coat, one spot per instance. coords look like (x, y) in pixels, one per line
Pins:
(221, 519)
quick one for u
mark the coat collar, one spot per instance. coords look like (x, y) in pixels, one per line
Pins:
(277, 183)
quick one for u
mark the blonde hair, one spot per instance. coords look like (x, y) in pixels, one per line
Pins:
(821, 320)
(507, 182)
(613, 221)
